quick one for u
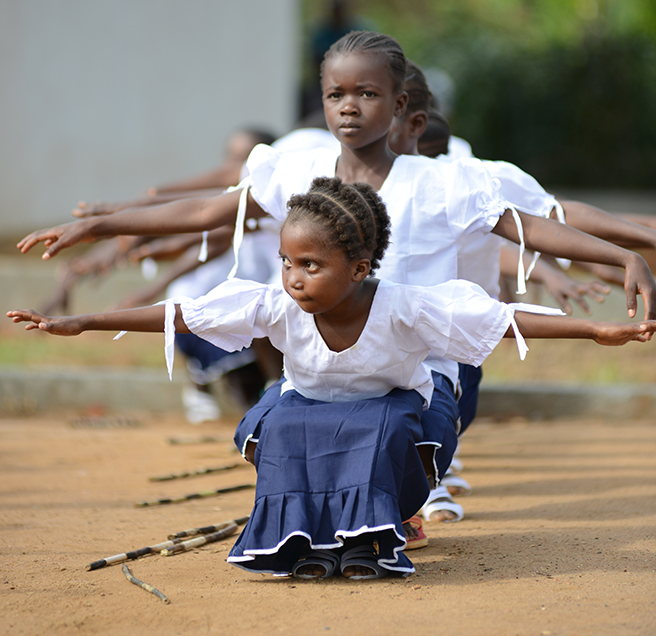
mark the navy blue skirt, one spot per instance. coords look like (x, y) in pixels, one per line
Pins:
(470, 383)
(439, 423)
(330, 471)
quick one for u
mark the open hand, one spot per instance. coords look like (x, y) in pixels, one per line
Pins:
(64, 326)
(615, 334)
(565, 289)
(57, 238)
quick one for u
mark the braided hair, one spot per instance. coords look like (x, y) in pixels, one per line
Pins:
(372, 42)
(353, 215)
(419, 95)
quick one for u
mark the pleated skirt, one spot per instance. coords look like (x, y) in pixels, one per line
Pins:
(331, 471)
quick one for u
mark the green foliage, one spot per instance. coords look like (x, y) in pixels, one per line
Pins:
(579, 114)
(564, 88)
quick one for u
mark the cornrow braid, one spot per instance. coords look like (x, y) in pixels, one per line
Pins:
(419, 95)
(354, 216)
(435, 139)
(372, 42)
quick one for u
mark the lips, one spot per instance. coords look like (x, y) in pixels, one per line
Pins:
(349, 126)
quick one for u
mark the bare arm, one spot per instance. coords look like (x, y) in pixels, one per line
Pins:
(84, 209)
(609, 227)
(611, 334)
(224, 176)
(178, 217)
(144, 319)
(557, 239)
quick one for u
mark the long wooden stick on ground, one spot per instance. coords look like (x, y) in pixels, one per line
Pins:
(194, 532)
(197, 495)
(229, 530)
(197, 473)
(145, 586)
(132, 555)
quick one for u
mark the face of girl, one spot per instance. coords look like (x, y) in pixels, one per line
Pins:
(317, 276)
(359, 98)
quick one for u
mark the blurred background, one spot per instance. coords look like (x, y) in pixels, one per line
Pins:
(101, 99)
(566, 89)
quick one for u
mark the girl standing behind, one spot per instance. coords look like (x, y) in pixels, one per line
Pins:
(338, 467)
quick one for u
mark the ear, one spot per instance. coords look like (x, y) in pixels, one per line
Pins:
(418, 122)
(361, 269)
(401, 104)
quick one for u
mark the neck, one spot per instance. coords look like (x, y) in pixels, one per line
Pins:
(369, 165)
(341, 328)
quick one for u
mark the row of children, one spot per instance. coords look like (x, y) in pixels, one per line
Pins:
(364, 422)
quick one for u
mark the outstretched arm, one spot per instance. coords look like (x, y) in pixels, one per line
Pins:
(101, 208)
(144, 319)
(611, 334)
(557, 239)
(609, 227)
(178, 217)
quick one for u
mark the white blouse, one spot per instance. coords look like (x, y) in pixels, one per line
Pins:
(432, 205)
(406, 323)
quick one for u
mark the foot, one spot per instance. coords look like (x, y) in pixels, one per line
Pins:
(415, 536)
(361, 563)
(456, 485)
(411, 533)
(316, 564)
(440, 507)
(440, 516)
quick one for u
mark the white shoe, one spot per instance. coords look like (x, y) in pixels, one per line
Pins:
(199, 406)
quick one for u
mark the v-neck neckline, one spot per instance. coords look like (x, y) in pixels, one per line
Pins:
(367, 324)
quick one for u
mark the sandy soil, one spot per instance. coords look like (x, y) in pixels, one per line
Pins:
(559, 538)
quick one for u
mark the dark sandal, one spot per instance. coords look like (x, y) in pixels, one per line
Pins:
(364, 556)
(326, 559)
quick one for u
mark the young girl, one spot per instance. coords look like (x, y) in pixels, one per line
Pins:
(479, 254)
(432, 205)
(338, 468)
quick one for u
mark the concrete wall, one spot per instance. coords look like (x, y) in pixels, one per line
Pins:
(100, 100)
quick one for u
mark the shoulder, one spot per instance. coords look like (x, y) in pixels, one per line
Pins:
(306, 139)
(263, 156)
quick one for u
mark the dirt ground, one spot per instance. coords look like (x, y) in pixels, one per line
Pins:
(559, 537)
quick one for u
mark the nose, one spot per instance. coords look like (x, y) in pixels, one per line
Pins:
(349, 106)
(293, 278)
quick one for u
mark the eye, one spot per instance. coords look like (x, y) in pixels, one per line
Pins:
(333, 95)
(311, 266)
(285, 261)
(368, 94)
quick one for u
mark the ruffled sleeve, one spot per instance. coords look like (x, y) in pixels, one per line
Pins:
(459, 321)
(275, 176)
(229, 316)
(472, 195)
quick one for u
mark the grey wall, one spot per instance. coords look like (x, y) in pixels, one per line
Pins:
(101, 99)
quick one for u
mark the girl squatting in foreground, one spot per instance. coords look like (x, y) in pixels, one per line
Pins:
(338, 467)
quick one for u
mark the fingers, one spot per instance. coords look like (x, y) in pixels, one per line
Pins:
(597, 291)
(34, 318)
(561, 299)
(48, 237)
(580, 301)
(631, 300)
(29, 242)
